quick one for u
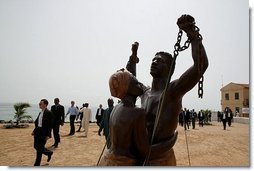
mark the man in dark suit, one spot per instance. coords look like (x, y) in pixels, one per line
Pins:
(58, 114)
(219, 116)
(201, 118)
(224, 119)
(230, 116)
(193, 118)
(104, 125)
(42, 132)
(186, 118)
(99, 114)
(80, 116)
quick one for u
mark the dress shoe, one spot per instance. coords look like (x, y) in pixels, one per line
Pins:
(55, 145)
(49, 156)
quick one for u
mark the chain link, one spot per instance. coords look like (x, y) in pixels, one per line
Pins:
(201, 81)
(200, 87)
(178, 48)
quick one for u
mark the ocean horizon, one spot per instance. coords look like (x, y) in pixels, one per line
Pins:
(7, 111)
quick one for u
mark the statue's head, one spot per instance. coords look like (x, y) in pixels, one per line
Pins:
(122, 83)
(161, 65)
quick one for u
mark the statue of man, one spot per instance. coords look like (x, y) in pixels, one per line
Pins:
(170, 110)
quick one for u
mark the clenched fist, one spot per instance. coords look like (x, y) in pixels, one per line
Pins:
(134, 50)
(187, 24)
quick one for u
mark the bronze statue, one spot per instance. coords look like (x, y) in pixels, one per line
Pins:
(128, 133)
(170, 109)
(146, 135)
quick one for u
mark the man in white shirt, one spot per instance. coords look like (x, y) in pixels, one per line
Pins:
(73, 111)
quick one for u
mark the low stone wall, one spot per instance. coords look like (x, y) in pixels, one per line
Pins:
(242, 120)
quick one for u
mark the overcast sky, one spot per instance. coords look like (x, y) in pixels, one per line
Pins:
(69, 48)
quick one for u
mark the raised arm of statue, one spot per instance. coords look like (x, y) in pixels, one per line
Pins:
(133, 60)
(191, 77)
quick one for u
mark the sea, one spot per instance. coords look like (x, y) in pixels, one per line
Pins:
(7, 111)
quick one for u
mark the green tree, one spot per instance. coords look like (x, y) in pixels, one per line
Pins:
(206, 113)
(20, 113)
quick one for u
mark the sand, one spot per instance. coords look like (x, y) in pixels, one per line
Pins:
(208, 146)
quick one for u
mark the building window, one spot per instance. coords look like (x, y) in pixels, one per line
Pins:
(236, 96)
(226, 96)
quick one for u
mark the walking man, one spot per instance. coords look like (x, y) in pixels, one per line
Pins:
(99, 114)
(105, 121)
(218, 116)
(193, 118)
(73, 111)
(229, 116)
(42, 132)
(186, 118)
(86, 117)
(201, 118)
(58, 114)
(80, 116)
(224, 119)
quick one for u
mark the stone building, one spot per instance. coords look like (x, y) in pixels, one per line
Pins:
(236, 97)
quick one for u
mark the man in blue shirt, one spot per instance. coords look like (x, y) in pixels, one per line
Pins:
(73, 111)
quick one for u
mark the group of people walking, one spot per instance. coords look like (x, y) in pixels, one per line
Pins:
(84, 113)
(189, 117)
(225, 116)
(52, 119)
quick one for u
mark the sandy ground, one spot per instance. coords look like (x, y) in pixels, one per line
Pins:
(208, 146)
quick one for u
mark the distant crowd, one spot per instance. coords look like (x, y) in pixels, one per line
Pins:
(225, 117)
(189, 118)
